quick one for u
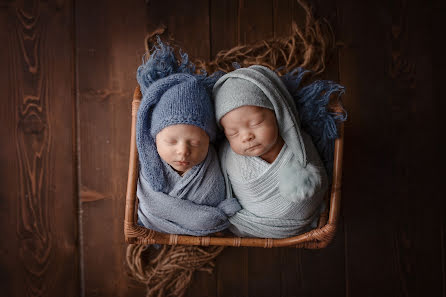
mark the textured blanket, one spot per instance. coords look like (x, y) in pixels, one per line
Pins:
(194, 204)
(265, 212)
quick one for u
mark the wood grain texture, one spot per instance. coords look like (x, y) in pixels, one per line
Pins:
(232, 272)
(369, 236)
(255, 20)
(110, 44)
(187, 22)
(438, 81)
(224, 25)
(413, 107)
(39, 223)
(394, 89)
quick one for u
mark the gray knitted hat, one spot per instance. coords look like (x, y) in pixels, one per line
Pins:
(235, 92)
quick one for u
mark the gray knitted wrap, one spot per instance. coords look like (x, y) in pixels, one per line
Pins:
(283, 199)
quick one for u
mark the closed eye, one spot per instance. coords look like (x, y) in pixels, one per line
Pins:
(171, 142)
(255, 123)
(231, 133)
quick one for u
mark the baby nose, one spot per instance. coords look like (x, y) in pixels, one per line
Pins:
(183, 150)
(247, 136)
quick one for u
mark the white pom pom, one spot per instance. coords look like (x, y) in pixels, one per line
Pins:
(297, 183)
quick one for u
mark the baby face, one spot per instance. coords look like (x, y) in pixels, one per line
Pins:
(182, 146)
(253, 131)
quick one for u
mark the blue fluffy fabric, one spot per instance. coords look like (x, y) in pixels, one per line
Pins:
(162, 63)
(316, 119)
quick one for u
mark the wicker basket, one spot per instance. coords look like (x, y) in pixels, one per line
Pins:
(314, 239)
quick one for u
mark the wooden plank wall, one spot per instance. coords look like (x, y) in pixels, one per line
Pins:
(67, 75)
(38, 213)
(109, 46)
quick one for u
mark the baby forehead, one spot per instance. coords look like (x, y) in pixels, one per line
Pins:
(183, 130)
(246, 113)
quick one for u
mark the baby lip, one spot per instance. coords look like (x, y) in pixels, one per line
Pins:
(252, 147)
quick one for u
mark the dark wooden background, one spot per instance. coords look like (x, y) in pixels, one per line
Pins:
(67, 72)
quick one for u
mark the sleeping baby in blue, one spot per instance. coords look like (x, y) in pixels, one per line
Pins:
(181, 189)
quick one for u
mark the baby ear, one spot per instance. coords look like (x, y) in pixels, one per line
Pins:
(297, 183)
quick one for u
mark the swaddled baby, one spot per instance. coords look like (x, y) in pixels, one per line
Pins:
(181, 189)
(271, 166)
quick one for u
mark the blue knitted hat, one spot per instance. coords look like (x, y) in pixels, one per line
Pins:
(186, 102)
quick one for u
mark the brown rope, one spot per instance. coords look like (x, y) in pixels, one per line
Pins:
(306, 48)
(168, 271)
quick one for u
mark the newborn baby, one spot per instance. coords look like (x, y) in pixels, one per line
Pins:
(181, 189)
(270, 165)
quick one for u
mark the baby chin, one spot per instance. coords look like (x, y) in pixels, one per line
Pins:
(181, 166)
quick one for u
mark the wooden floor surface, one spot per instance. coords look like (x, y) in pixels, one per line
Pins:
(67, 73)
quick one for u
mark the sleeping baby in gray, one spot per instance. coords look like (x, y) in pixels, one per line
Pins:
(270, 165)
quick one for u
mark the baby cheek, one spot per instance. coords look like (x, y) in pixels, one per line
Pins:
(198, 153)
(269, 134)
(232, 143)
(172, 152)
(236, 147)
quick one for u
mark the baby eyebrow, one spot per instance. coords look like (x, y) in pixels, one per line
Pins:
(256, 121)
(231, 130)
